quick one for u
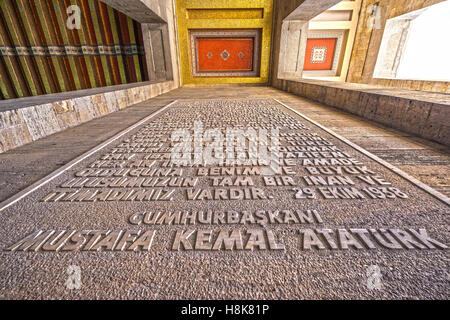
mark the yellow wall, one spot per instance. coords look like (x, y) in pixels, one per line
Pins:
(207, 14)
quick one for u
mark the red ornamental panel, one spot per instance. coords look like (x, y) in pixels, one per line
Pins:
(225, 54)
(319, 54)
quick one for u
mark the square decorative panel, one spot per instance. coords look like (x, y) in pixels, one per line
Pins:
(320, 53)
(225, 53)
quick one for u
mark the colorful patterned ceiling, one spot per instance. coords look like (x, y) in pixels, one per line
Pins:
(39, 54)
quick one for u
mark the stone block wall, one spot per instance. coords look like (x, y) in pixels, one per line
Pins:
(20, 125)
(424, 114)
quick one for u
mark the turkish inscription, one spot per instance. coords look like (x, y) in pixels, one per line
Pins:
(232, 204)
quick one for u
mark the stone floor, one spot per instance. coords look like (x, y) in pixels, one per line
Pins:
(422, 159)
(120, 224)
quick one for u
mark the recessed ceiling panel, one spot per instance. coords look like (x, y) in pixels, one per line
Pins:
(320, 54)
(224, 53)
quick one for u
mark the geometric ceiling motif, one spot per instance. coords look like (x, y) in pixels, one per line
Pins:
(318, 54)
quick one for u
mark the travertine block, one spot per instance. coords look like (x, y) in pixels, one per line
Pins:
(410, 111)
(24, 125)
